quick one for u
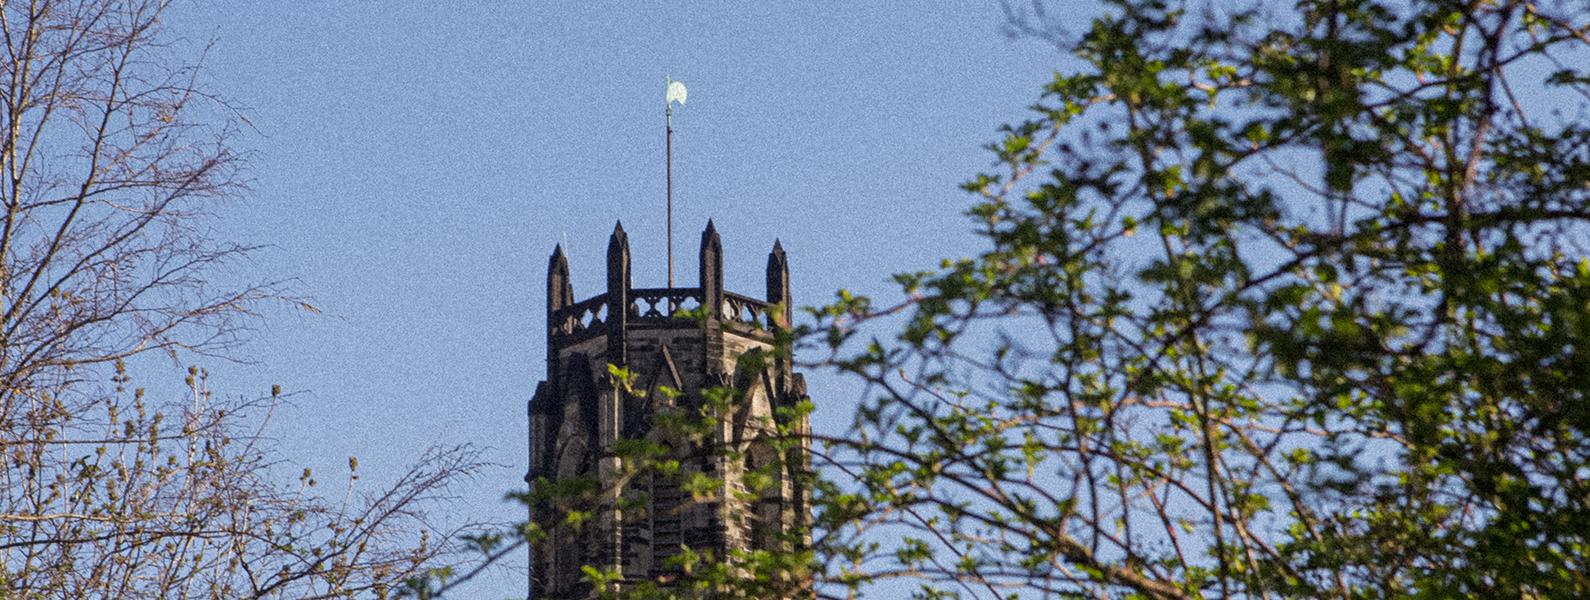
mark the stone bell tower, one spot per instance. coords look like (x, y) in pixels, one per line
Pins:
(687, 339)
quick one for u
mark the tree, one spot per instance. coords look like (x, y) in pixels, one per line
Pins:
(1281, 301)
(1276, 301)
(113, 156)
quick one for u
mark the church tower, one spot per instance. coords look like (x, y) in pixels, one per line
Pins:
(680, 346)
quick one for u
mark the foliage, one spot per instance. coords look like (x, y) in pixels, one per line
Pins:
(177, 500)
(1277, 301)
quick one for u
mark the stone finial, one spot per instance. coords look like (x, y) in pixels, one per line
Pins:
(560, 292)
(778, 292)
(618, 259)
(617, 293)
(711, 269)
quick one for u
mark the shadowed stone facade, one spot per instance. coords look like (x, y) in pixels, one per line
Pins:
(579, 413)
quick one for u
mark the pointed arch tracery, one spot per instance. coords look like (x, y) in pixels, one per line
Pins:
(573, 457)
(753, 424)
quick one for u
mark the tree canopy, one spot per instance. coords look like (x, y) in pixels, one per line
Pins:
(1272, 300)
(1281, 300)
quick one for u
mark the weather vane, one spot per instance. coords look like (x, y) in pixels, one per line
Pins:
(676, 93)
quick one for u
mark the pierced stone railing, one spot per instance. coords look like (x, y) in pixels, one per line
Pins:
(742, 309)
(588, 318)
(662, 304)
(582, 319)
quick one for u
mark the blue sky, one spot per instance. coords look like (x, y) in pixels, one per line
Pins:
(413, 166)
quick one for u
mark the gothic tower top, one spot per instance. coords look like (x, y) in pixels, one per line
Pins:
(612, 313)
(687, 340)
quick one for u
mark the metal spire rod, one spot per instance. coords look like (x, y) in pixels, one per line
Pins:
(670, 119)
(676, 93)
